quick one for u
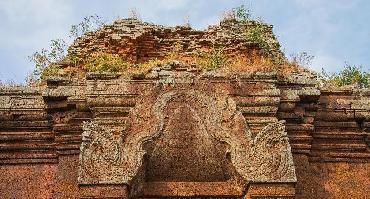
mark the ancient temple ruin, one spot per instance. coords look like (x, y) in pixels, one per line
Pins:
(176, 131)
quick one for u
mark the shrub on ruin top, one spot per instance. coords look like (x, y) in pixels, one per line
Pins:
(257, 34)
(350, 75)
(101, 62)
(213, 59)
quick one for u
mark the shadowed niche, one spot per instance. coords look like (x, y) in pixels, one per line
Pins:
(185, 152)
(185, 155)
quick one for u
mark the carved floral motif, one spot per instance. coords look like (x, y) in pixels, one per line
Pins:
(101, 155)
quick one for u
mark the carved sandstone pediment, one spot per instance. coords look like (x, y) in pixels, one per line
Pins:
(186, 135)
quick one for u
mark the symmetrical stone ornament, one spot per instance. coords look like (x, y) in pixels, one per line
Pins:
(212, 118)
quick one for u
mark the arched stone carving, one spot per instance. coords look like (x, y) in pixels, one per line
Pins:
(266, 158)
(109, 157)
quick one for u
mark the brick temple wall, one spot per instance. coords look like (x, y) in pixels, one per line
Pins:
(331, 179)
(41, 128)
(28, 180)
(40, 132)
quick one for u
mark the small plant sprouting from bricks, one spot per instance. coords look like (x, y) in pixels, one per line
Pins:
(46, 57)
(350, 75)
(51, 70)
(133, 13)
(258, 34)
(301, 59)
(242, 13)
(88, 24)
(104, 62)
(212, 59)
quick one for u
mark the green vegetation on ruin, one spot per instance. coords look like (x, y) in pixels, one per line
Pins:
(52, 61)
(349, 75)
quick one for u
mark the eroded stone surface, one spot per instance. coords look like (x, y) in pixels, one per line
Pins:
(140, 41)
(101, 156)
(192, 135)
(234, 124)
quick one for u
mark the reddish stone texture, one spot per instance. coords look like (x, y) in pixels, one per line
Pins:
(138, 41)
(27, 181)
(270, 190)
(108, 191)
(331, 180)
(179, 154)
(66, 178)
(317, 124)
(191, 189)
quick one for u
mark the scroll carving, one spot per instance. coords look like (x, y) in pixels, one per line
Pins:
(101, 155)
(270, 158)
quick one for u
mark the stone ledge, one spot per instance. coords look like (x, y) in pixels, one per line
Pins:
(281, 191)
(103, 191)
(191, 189)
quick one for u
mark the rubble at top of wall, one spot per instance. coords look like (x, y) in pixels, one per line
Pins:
(139, 41)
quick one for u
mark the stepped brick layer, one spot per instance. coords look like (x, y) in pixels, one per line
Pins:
(41, 130)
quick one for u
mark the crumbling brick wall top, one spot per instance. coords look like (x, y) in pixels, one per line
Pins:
(139, 41)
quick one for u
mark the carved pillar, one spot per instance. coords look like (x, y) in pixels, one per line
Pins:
(66, 105)
(101, 161)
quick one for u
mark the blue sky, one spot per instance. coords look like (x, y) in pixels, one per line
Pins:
(334, 31)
